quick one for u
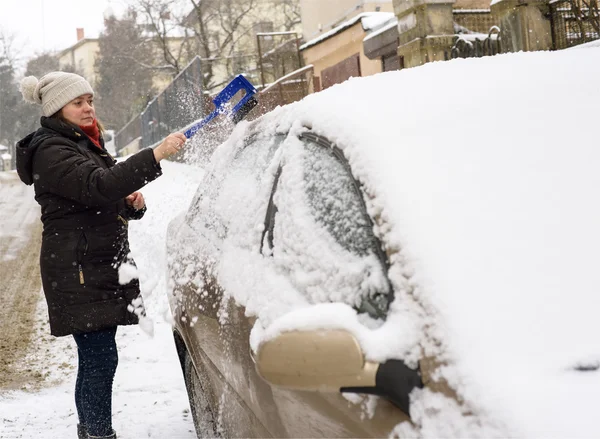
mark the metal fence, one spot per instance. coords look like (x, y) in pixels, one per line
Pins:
(183, 103)
(278, 55)
(128, 134)
(477, 45)
(290, 88)
(180, 104)
(574, 22)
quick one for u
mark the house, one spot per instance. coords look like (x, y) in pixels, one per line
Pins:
(424, 31)
(334, 33)
(81, 57)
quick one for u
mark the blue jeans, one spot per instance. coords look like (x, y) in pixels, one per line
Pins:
(98, 361)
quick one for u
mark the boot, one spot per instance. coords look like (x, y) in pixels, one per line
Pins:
(112, 436)
(81, 432)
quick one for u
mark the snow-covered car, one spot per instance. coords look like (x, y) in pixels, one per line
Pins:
(408, 254)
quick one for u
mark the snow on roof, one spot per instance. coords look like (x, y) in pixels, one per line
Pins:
(3, 148)
(369, 21)
(389, 24)
(6, 156)
(484, 192)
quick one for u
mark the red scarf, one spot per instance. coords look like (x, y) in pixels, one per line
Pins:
(92, 132)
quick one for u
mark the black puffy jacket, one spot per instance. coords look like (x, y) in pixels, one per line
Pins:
(81, 191)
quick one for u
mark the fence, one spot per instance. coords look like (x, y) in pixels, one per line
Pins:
(574, 22)
(477, 45)
(178, 105)
(278, 55)
(183, 103)
(127, 134)
(290, 88)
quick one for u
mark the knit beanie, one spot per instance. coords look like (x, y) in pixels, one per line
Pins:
(54, 90)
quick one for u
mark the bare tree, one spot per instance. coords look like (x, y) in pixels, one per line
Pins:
(161, 21)
(221, 32)
(291, 12)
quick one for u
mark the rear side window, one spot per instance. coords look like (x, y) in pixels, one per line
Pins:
(322, 236)
(335, 199)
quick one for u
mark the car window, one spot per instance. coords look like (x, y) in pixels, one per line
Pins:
(335, 201)
(320, 232)
(236, 179)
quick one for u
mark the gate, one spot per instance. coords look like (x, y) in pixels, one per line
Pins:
(472, 46)
(574, 22)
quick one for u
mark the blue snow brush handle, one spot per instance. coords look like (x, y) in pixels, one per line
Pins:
(239, 111)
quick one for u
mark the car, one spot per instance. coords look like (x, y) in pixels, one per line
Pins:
(407, 254)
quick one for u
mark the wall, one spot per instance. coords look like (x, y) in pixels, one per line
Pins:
(340, 48)
(426, 31)
(82, 57)
(477, 21)
(523, 26)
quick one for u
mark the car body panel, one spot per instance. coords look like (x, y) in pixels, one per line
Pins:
(216, 331)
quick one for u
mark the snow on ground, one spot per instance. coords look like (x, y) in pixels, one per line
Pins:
(150, 400)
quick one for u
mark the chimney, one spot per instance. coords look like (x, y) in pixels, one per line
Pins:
(80, 34)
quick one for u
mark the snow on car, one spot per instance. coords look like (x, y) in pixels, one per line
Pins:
(428, 236)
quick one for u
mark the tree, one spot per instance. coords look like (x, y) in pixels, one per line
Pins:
(28, 115)
(182, 29)
(221, 32)
(292, 13)
(173, 45)
(125, 70)
(9, 93)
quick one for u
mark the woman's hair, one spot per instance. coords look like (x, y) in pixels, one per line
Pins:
(58, 115)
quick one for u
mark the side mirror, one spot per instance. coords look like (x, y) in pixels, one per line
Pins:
(333, 361)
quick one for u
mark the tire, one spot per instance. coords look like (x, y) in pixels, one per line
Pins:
(204, 421)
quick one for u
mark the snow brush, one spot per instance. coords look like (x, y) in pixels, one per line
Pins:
(241, 109)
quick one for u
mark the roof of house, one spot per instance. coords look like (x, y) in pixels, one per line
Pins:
(369, 21)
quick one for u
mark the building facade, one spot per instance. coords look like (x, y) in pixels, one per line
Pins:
(81, 57)
(335, 32)
(339, 54)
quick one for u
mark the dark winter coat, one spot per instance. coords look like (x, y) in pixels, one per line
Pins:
(81, 191)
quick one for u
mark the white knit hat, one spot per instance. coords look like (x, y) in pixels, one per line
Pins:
(54, 90)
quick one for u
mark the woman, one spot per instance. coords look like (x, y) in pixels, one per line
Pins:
(86, 200)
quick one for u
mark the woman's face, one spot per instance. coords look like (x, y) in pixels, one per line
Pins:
(80, 111)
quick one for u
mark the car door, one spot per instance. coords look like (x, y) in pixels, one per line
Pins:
(212, 325)
(318, 233)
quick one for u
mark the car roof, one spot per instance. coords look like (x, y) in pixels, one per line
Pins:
(485, 173)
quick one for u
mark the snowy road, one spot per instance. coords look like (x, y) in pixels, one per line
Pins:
(20, 237)
(36, 398)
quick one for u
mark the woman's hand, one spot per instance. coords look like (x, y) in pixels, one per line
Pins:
(171, 145)
(135, 200)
